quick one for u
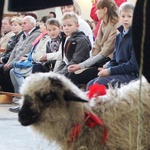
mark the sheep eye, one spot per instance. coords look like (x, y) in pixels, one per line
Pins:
(49, 97)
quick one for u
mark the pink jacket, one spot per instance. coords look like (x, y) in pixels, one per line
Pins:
(94, 16)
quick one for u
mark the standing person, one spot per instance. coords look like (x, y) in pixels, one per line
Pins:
(141, 30)
(83, 25)
(82, 73)
(76, 46)
(16, 28)
(22, 48)
(7, 33)
(123, 67)
(94, 16)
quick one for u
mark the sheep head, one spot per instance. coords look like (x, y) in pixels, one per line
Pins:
(43, 91)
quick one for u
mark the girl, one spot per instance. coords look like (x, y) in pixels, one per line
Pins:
(41, 45)
(123, 67)
(104, 44)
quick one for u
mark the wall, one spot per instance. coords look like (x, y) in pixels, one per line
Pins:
(84, 4)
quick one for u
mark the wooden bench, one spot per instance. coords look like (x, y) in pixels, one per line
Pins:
(6, 97)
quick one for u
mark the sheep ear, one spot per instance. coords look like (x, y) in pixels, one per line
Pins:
(69, 96)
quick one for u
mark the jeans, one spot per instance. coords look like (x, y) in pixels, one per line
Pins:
(16, 80)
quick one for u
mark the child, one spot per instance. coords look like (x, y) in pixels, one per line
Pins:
(83, 25)
(107, 11)
(54, 31)
(75, 44)
(43, 44)
(123, 67)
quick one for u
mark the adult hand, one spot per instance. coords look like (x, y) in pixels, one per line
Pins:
(73, 68)
(6, 66)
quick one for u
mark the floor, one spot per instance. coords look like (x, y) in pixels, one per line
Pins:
(13, 136)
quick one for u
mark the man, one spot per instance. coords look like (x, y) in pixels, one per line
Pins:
(22, 48)
(6, 32)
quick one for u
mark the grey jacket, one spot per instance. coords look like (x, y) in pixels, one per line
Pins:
(24, 46)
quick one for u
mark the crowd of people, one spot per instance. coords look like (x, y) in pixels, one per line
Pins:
(87, 54)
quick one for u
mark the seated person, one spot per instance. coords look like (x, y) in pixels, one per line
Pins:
(123, 67)
(16, 28)
(75, 44)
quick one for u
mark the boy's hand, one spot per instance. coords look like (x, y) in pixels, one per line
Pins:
(73, 68)
(103, 72)
(43, 58)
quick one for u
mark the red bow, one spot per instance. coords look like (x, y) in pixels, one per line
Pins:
(96, 90)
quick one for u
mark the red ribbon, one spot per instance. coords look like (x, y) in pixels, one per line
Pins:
(96, 90)
(91, 120)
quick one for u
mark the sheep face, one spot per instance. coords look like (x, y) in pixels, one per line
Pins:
(43, 91)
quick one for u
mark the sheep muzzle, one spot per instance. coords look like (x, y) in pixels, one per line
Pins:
(27, 116)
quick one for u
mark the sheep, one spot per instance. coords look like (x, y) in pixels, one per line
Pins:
(54, 107)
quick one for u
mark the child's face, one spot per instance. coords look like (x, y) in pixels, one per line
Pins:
(69, 26)
(101, 13)
(42, 27)
(53, 31)
(126, 18)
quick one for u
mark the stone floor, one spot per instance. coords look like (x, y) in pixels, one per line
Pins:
(13, 136)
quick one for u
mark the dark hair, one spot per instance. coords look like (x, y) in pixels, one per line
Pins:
(51, 12)
(33, 15)
(44, 19)
(53, 21)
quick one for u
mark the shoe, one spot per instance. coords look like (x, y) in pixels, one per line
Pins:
(16, 100)
(14, 110)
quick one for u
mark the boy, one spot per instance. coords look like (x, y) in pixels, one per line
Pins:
(123, 67)
(75, 44)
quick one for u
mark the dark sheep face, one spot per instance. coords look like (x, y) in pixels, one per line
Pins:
(27, 115)
(46, 91)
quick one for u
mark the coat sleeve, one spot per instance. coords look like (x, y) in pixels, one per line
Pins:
(81, 52)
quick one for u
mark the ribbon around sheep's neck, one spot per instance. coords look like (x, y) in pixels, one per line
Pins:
(91, 120)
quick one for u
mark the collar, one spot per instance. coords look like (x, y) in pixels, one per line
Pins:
(121, 30)
(91, 120)
(26, 34)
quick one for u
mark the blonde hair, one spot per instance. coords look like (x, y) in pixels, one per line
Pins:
(17, 20)
(77, 9)
(112, 9)
(126, 6)
(70, 15)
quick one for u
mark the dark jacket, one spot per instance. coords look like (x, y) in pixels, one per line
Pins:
(141, 30)
(124, 61)
(76, 50)
(10, 46)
